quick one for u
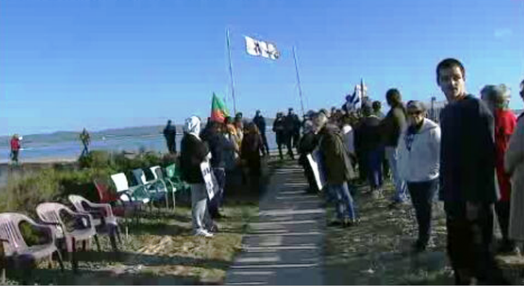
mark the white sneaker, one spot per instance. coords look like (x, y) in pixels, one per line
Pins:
(203, 232)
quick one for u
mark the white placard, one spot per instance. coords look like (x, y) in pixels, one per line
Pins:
(209, 179)
(315, 161)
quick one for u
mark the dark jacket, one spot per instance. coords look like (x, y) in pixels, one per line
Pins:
(392, 126)
(193, 153)
(216, 143)
(279, 128)
(306, 145)
(292, 124)
(367, 136)
(170, 132)
(337, 163)
(260, 122)
(467, 153)
(250, 152)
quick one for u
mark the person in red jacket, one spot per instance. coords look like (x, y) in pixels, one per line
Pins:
(15, 148)
(496, 98)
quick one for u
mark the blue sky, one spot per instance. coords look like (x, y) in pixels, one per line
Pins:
(104, 63)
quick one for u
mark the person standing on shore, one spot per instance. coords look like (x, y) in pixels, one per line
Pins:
(86, 140)
(496, 98)
(170, 135)
(260, 122)
(15, 148)
(467, 178)
(193, 152)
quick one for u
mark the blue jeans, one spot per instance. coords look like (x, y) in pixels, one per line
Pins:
(400, 185)
(343, 200)
(375, 158)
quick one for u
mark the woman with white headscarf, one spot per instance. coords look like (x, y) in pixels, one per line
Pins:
(193, 152)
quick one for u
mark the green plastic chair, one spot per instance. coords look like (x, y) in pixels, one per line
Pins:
(173, 175)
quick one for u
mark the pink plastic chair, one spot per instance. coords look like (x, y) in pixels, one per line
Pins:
(50, 213)
(16, 248)
(103, 218)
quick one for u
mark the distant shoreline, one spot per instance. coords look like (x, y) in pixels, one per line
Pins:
(31, 164)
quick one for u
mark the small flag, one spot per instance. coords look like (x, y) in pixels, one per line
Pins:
(219, 111)
(261, 49)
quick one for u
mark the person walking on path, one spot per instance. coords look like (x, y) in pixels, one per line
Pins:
(368, 140)
(15, 148)
(496, 99)
(193, 152)
(418, 165)
(86, 140)
(279, 128)
(170, 135)
(292, 123)
(467, 178)
(514, 165)
(338, 169)
(260, 122)
(391, 127)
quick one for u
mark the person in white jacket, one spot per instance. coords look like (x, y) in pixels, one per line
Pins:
(419, 157)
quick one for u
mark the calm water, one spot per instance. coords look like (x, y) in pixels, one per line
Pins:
(35, 150)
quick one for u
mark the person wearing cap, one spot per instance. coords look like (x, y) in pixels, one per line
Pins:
(467, 178)
(514, 165)
(193, 152)
(418, 165)
(15, 148)
(260, 122)
(496, 98)
(280, 132)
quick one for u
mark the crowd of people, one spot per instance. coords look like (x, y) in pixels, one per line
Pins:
(474, 160)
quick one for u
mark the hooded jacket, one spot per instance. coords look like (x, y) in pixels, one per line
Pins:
(337, 163)
(193, 152)
(420, 162)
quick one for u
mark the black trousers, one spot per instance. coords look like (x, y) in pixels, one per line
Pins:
(422, 195)
(288, 138)
(264, 141)
(470, 244)
(503, 210)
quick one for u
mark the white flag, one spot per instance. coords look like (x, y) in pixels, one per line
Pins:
(261, 49)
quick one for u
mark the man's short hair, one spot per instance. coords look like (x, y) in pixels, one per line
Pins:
(376, 105)
(450, 63)
(393, 96)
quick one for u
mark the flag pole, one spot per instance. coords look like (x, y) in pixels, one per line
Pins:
(228, 42)
(298, 80)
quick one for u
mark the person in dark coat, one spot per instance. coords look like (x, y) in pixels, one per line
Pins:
(260, 122)
(170, 135)
(280, 134)
(292, 123)
(250, 151)
(371, 149)
(337, 169)
(307, 145)
(193, 152)
(467, 178)
(218, 144)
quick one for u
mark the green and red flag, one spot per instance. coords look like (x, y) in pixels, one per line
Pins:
(219, 110)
